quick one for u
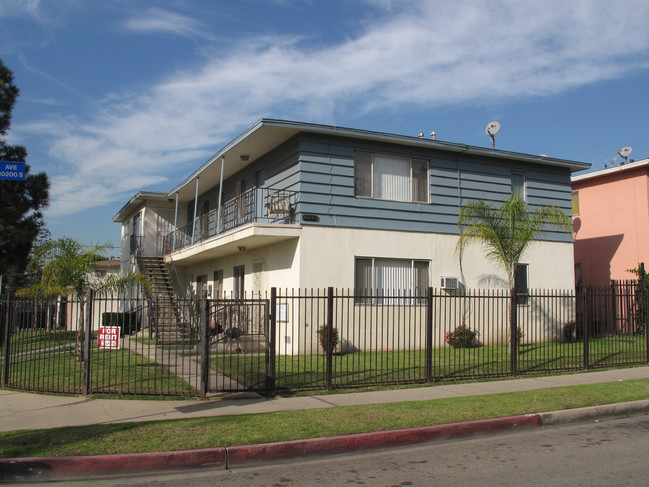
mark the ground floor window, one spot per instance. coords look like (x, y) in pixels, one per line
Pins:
(379, 277)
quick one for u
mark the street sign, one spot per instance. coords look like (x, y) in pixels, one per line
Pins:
(14, 171)
(109, 337)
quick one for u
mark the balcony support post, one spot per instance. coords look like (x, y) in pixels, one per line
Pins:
(218, 213)
(195, 210)
(175, 224)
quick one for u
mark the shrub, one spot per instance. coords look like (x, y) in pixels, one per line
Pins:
(570, 332)
(462, 337)
(323, 336)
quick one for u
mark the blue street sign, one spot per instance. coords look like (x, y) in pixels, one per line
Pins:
(12, 170)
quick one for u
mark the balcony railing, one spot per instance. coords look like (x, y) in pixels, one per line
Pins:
(257, 205)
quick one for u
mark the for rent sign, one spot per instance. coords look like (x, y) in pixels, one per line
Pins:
(12, 170)
(109, 337)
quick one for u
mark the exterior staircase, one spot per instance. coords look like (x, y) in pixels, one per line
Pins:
(170, 325)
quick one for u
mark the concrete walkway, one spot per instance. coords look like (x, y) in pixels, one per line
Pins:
(22, 410)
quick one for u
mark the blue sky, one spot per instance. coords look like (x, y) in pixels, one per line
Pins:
(119, 96)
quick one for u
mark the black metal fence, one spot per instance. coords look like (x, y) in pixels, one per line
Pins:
(314, 339)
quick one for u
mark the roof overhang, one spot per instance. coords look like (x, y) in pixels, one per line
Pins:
(136, 201)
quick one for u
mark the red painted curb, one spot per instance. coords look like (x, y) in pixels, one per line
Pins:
(57, 467)
(382, 439)
(101, 464)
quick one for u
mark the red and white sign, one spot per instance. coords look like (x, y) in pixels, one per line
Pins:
(109, 337)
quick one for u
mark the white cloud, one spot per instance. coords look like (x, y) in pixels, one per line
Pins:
(159, 20)
(434, 53)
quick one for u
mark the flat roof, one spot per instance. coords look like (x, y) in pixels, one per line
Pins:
(612, 170)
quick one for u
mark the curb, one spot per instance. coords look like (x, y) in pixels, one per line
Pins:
(60, 468)
(594, 412)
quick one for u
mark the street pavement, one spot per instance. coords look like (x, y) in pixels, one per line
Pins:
(21, 410)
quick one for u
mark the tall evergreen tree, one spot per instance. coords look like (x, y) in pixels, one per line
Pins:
(21, 202)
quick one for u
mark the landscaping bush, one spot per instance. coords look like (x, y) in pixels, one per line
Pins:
(323, 336)
(570, 332)
(462, 337)
(129, 321)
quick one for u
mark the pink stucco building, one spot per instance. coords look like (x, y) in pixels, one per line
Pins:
(611, 222)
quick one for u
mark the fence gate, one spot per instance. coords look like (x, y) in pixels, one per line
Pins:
(238, 352)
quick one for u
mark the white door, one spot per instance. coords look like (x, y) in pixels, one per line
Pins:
(164, 227)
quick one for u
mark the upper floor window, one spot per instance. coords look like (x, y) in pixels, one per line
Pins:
(387, 177)
(518, 184)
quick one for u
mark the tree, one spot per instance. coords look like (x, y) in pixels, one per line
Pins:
(21, 202)
(65, 266)
(506, 232)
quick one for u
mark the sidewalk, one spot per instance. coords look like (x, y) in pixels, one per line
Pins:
(22, 410)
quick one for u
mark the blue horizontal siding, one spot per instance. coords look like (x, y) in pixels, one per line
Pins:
(321, 168)
(327, 187)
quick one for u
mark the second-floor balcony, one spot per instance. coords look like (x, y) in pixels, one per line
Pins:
(257, 205)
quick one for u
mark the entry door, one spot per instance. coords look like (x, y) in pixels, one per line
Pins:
(240, 200)
(164, 227)
(239, 273)
(137, 232)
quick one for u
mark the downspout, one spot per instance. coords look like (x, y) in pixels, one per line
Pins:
(195, 210)
(175, 224)
(218, 213)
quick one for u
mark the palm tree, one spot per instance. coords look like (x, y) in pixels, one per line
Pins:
(65, 267)
(506, 232)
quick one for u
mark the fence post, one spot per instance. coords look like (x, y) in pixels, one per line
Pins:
(329, 340)
(203, 326)
(271, 339)
(87, 342)
(588, 316)
(644, 303)
(6, 337)
(429, 336)
(513, 332)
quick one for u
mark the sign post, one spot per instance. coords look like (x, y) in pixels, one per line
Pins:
(13, 171)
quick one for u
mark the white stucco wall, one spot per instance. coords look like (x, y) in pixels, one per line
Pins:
(327, 258)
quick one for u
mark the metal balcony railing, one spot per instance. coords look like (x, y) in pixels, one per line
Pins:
(257, 205)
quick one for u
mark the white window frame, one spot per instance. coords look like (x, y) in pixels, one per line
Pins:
(374, 295)
(374, 182)
(523, 182)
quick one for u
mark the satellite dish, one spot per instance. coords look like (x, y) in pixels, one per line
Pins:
(625, 151)
(492, 128)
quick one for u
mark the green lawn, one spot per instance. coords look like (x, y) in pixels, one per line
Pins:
(377, 367)
(45, 361)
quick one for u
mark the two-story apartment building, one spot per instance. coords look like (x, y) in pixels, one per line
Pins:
(611, 222)
(298, 205)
